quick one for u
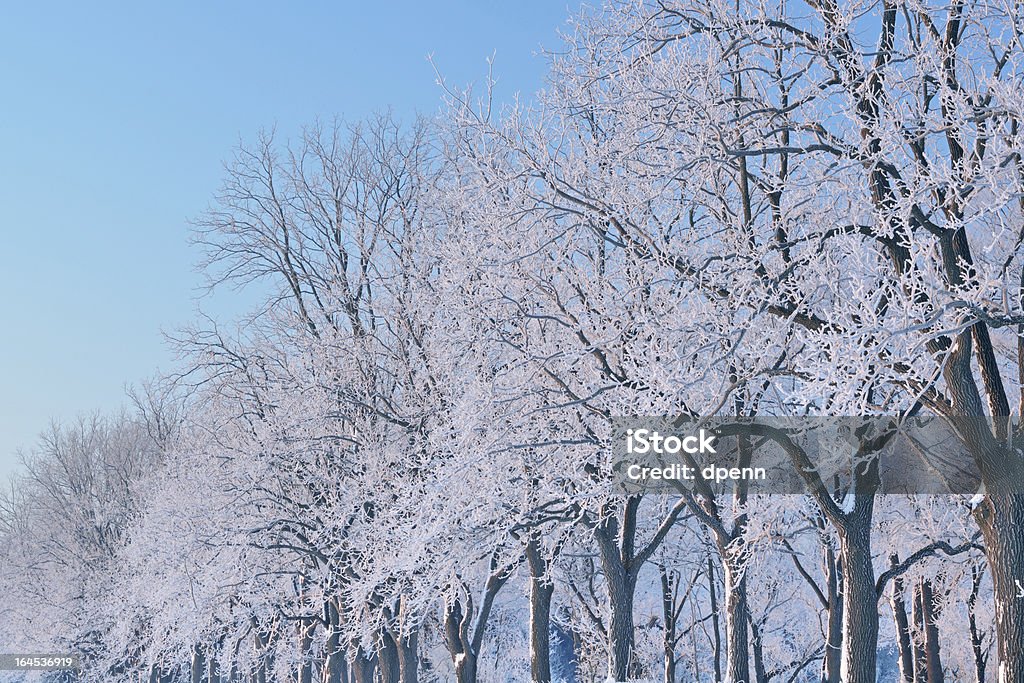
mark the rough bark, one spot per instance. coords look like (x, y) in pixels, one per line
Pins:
(364, 666)
(465, 669)
(261, 641)
(621, 590)
(757, 643)
(899, 612)
(212, 670)
(464, 640)
(456, 633)
(305, 633)
(853, 526)
(409, 657)
(920, 656)
(737, 668)
(387, 657)
(334, 667)
(198, 668)
(933, 656)
(668, 615)
(716, 632)
(832, 661)
(977, 647)
(1000, 516)
(1001, 519)
(860, 608)
(541, 591)
(621, 562)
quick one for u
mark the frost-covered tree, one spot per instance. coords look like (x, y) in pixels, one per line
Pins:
(400, 467)
(64, 522)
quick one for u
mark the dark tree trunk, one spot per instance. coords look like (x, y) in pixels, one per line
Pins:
(980, 657)
(858, 653)
(306, 629)
(621, 561)
(198, 664)
(920, 656)
(737, 615)
(456, 629)
(212, 670)
(860, 602)
(621, 589)
(261, 640)
(899, 613)
(668, 615)
(334, 660)
(541, 591)
(465, 640)
(334, 667)
(387, 657)
(1001, 519)
(364, 666)
(933, 657)
(760, 673)
(716, 633)
(832, 662)
(465, 669)
(409, 657)
(1000, 516)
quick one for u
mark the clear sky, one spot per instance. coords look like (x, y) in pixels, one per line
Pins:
(114, 122)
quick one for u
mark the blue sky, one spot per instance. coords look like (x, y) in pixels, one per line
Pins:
(114, 124)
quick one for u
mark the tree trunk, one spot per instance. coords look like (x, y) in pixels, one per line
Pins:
(305, 645)
(363, 666)
(833, 660)
(899, 613)
(334, 668)
(261, 641)
(860, 602)
(621, 589)
(334, 661)
(621, 561)
(409, 657)
(456, 626)
(760, 673)
(716, 632)
(668, 615)
(1001, 520)
(1000, 516)
(465, 669)
(212, 670)
(920, 656)
(858, 653)
(387, 657)
(541, 590)
(198, 664)
(737, 668)
(932, 655)
(463, 638)
(980, 657)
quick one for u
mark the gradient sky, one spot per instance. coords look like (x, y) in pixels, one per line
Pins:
(114, 123)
